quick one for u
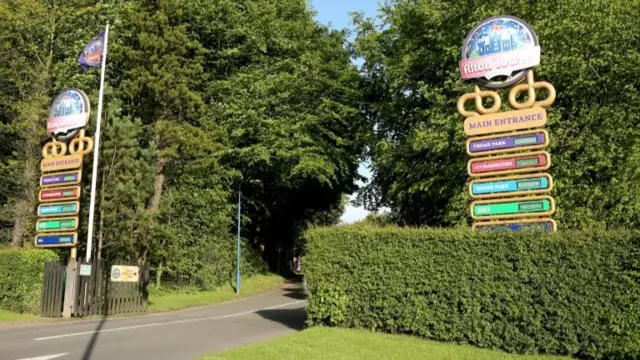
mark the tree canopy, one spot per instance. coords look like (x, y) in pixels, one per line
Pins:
(203, 99)
(589, 53)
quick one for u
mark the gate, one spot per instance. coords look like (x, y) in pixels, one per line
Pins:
(53, 289)
(94, 292)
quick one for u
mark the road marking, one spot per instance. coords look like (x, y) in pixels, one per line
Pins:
(165, 323)
(46, 357)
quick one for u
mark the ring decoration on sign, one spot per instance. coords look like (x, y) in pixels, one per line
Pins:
(478, 96)
(54, 149)
(81, 145)
(530, 87)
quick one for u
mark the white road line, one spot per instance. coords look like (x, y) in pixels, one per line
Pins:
(46, 357)
(164, 323)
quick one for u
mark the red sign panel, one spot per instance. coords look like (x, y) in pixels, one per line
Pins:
(70, 193)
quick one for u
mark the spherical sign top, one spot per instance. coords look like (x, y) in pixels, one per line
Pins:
(68, 114)
(499, 51)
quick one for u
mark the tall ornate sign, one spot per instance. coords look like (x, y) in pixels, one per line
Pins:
(61, 169)
(509, 184)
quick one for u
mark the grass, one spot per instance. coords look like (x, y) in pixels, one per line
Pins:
(182, 300)
(340, 344)
(7, 316)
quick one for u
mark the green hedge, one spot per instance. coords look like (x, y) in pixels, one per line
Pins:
(21, 274)
(569, 293)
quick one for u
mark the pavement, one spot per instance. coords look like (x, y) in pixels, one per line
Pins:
(185, 334)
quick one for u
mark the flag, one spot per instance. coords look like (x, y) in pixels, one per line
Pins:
(92, 54)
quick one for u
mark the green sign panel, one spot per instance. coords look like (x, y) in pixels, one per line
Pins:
(507, 208)
(58, 209)
(57, 224)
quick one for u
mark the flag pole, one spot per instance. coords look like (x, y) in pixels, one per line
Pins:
(96, 149)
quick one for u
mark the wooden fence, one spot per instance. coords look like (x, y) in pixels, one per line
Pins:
(95, 293)
(53, 289)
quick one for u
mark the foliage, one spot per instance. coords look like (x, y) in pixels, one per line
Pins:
(169, 300)
(571, 293)
(341, 344)
(21, 277)
(412, 85)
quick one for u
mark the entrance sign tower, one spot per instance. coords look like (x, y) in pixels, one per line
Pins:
(508, 164)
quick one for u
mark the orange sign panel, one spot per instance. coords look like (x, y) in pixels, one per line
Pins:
(61, 163)
(505, 121)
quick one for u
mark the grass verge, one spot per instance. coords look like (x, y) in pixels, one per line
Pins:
(182, 300)
(340, 344)
(7, 316)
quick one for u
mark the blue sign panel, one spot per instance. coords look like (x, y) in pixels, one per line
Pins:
(56, 240)
(516, 227)
(507, 186)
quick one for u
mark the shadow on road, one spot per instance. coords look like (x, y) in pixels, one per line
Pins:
(94, 339)
(297, 293)
(292, 318)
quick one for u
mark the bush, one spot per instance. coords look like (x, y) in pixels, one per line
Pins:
(21, 277)
(572, 293)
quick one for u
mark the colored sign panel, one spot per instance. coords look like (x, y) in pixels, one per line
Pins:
(64, 178)
(70, 193)
(506, 143)
(498, 51)
(509, 164)
(121, 273)
(61, 224)
(68, 113)
(58, 209)
(505, 121)
(513, 208)
(515, 225)
(509, 186)
(56, 240)
(85, 269)
(61, 163)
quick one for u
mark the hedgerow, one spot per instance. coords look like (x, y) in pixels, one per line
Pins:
(575, 293)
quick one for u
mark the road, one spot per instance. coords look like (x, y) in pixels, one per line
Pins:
(185, 334)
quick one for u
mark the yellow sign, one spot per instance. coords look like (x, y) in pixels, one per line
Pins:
(122, 273)
(505, 121)
(61, 163)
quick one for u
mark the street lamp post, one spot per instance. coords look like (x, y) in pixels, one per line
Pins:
(238, 248)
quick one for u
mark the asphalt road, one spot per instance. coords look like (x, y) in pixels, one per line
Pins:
(185, 334)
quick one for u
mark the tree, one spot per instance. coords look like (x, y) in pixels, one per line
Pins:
(412, 85)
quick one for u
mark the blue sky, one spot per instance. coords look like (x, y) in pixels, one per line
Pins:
(336, 14)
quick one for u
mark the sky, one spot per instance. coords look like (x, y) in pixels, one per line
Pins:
(336, 14)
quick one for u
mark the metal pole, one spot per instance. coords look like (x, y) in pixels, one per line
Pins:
(238, 248)
(96, 149)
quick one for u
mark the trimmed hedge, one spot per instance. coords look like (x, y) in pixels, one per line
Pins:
(21, 276)
(572, 293)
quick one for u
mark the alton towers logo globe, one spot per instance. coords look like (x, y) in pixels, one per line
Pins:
(499, 51)
(68, 113)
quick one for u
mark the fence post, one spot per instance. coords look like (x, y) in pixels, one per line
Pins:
(70, 288)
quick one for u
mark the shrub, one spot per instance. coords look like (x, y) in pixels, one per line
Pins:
(21, 277)
(574, 293)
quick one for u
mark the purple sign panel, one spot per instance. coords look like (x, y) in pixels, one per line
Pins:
(67, 178)
(506, 142)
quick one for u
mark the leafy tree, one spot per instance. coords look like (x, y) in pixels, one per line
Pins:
(589, 53)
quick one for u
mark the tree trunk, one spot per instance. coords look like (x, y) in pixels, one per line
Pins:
(154, 203)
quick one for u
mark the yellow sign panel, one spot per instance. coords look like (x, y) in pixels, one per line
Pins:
(505, 121)
(61, 163)
(122, 273)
